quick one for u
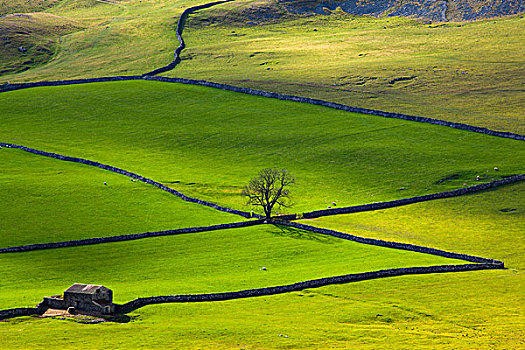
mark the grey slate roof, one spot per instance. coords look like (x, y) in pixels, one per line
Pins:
(84, 288)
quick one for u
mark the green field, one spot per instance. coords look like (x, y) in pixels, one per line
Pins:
(490, 223)
(169, 132)
(208, 143)
(462, 310)
(46, 200)
(217, 261)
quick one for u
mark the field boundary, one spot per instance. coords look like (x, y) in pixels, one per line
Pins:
(129, 237)
(268, 94)
(130, 174)
(295, 287)
(178, 33)
(417, 199)
(266, 291)
(333, 105)
(393, 245)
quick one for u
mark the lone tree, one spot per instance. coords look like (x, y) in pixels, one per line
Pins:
(269, 189)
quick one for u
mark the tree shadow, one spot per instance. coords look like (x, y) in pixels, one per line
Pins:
(295, 233)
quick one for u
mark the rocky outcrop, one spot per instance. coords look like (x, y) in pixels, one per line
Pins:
(434, 10)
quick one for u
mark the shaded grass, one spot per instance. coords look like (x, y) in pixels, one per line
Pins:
(208, 143)
(24, 6)
(30, 40)
(46, 200)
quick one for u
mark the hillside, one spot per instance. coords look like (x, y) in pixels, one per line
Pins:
(440, 11)
(30, 40)
(115, 159)
(209, 152)
(24, 6)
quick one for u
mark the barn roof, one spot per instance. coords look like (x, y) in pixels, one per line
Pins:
(84, 288)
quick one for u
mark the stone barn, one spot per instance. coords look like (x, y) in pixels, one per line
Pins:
(89, 298)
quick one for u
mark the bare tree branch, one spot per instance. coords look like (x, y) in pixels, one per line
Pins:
(269, 189)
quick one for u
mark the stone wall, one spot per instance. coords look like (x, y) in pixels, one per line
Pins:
(178, 32)
(54, 303)
(130, 174)
(295, 287)
(339, 106)
(20, 86)
(249, 91)
(418, 199)
(192, 298)
(130, 237)
(17, 312)
(395, 245)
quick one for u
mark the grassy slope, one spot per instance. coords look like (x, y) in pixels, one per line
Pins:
(37, 34)
(487, 224)
(471, 73)
(216, 261)
(462, 311)
(121, 38)
(24, 6)
(480, 309)
(337, 156)
(46, 200)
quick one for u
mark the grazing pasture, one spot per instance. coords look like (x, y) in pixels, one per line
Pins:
(461, 310)
(46, 200)
(207, 262)
(208, 143)
(464, 72)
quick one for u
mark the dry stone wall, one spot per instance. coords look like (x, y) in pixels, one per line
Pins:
(412, 200)
(395, 245)
(255, 92)
(339, 106)
(17, 312)
(130, 237)
(130, 174)
(193, 298)
(295, 287)
(178, 32)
